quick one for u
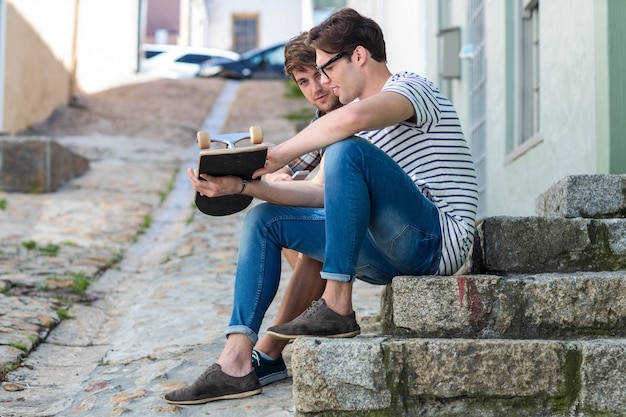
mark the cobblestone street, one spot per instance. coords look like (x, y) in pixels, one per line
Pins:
(115, 288)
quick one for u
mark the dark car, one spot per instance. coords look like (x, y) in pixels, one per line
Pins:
(266, 62)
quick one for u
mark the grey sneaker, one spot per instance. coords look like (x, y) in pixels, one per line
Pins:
(215, 385)
(317, 320)
(268, 371)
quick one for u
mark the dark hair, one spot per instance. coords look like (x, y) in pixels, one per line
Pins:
(346, 29)
(298, 55)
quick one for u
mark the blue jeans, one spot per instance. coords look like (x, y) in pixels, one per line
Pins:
(376, 224)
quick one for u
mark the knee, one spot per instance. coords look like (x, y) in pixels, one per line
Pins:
(339, 152)
(260, 214)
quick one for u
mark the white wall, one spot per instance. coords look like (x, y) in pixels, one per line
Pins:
(88, 46)
(567, 97)
(407, 25)
(279, 20)
(106, 44)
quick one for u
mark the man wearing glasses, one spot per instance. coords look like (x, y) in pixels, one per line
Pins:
(395, 195)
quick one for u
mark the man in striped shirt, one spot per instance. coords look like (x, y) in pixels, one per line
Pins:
(396, 194)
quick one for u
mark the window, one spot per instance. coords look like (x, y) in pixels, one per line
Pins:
(193, 58)
(529, 71)
(245, 27)
(478, 93)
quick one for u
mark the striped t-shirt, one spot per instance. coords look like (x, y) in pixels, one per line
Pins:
(434, 153)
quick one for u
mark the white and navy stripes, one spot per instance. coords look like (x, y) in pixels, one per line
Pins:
(434, 153)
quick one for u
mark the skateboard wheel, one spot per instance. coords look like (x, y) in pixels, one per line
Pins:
(256, 135)
(204, 140)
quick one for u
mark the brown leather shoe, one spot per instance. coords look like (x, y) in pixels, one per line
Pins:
(317, 320)
(215, 385)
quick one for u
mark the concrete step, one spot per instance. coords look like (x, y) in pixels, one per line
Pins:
(387, 376)
(540, 306)
(37, 164)
(528, 245)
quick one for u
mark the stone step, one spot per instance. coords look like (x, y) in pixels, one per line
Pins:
(367, 376)
(527, 245)
(541, 306)
(590, 196)
(37, 164)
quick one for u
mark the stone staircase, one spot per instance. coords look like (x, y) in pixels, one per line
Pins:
(535, 325)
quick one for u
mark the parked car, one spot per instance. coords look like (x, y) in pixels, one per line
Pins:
(174, 61)
(266, 62)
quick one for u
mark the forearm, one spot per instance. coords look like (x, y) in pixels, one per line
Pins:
(345, 122)
(287, 193)
(318, 135)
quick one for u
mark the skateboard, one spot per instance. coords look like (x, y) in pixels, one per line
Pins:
(229, 159)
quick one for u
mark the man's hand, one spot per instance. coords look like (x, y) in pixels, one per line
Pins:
(283, 174)
(214, 186)
(278, 176)
(273, 163)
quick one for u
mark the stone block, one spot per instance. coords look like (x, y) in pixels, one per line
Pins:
(37, 164)
(345, 374)
(603, 376)
(590, 196)
(578, 304)
(453, 368)
(539, 306)
(527, 245)
(451, 377)
(431, 306)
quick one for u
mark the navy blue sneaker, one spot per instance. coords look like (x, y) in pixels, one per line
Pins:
(268, 371)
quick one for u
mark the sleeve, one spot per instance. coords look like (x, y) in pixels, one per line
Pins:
(423, 96)
(307, 162)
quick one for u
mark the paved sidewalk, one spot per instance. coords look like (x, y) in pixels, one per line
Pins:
(147, 323)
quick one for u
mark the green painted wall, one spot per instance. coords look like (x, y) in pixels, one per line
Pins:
(611, 86)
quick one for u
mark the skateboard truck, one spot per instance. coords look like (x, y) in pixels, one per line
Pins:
(230, 139)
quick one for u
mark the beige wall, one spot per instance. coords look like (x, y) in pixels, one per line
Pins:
(59, 48)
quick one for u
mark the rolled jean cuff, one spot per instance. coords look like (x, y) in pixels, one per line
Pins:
(336, 277)
(243, 330)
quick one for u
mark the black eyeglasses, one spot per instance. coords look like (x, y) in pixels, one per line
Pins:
(330, 61)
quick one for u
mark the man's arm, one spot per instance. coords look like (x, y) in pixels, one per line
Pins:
(306, 163)
(340, 124)
(288, 193)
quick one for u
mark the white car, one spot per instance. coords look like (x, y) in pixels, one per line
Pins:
(174, 61)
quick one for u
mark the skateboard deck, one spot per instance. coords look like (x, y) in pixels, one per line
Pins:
(229, 160)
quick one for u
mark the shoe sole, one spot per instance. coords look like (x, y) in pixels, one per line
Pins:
(222, 397)
(282, 336)
(275, 377)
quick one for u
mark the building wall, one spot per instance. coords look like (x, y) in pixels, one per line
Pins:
(577, 93)
(279, 20)
(407, 26)
(611, 84)
(36, 72)
(163, 15)
(88, 46)
(568, 99)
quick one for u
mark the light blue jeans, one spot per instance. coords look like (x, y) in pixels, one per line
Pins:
(376, 224)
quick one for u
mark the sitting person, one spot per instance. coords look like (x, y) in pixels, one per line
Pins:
(395, 194)
(305, 285)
